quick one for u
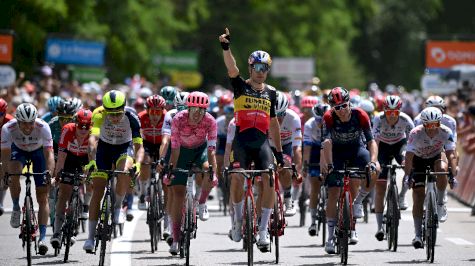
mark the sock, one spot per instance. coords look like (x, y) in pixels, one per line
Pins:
(265, 216)
(16, 204)
(58, 222)
(92, 230)
(143, 187)
(331, 227)
(295, 193)
(42, 232)
(440, 196)
(404, 189)
(379, 220)
(238, 211)
(313, 214)
(418, 226)
(204, 196)
(165, 221)
(287, 193)
(176, 231)
(87, 198)
(118, 201)
(361, 195)
(170, 225)
(197, 192)
(130, 201)
(2, 195)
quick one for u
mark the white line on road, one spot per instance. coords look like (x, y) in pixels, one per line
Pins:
(459, 241)
(121, 246)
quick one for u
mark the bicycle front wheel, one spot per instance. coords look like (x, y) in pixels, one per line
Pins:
(431, 231)
(276, 226)
(395, 218)
(188, 228)
(345, 229)
(322, 220)
(27, 229)
(70, 226)
(389, 219)
(151, 219)
(249, 231)
(105, 228)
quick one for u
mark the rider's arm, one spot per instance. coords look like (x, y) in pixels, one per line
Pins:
(60, 162)
(408, 163)
(174, 156)
(6, 152)
(212, 138)
(373, 150)
(274, 132)
(229, 142)
(139, 152)
(297, 158)
(229, 60)
(452, 159)
(227, 154)
(92, 149)
(49, 156)
(166, 132)
(6, 149)
(164, 145)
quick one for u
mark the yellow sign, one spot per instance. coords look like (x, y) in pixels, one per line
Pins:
(189, 79)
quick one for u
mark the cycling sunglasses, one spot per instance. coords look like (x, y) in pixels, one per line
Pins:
(115, 113)
(2, 113)
(281, 114)
(261, 68)
(84, 126)
(432, 125)
(391, 112)
(341, 106)
(195, 109)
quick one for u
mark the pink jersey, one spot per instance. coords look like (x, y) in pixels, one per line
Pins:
(192, 136)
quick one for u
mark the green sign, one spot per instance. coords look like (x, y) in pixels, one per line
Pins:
(178, 60)
(87, 74)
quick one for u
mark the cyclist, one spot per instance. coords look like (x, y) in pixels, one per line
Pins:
(151, 121)
(344, 129)
(193, 139)
(391, 129)
(451, 123)
(291, 139)
(168, 93)
(165, 151)
(312, 142)
(28, 138)
(425, 146)
(53, 103)
(72, 157)
(254, 103)
(4, 118)
(114, 142)
(66, 111)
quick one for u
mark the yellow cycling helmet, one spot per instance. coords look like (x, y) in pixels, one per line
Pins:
(113, 99)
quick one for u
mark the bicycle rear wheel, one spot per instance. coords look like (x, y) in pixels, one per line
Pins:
(322, 220)
(389, 219)
(345, 230)
(151, 219)
(276, 226)
(70, 226)
(105, 229)
(188, 228)
(249, 231)
(395, 215)
(431, 228)
(28, 228)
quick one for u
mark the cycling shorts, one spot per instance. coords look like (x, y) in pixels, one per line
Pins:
(356, 157)
(151, 149)
(420, 165)
(314, 168)
(197, 156)
(243, 154)
(37, 157)
(388, 152)
(108, 155)
(221, 145)
(72, 165)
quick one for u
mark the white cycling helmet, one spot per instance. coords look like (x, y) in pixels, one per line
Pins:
(431, 115)
(26, 112)
(435, 101)
(180, 98)
(392, 102)
(282, 103)
(76, 103)
(367, 106)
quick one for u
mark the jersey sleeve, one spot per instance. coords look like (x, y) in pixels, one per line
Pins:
(231, 132)
(47, 137)
(175, 138)
(167, 125)
(6, 137)
(97, 121)
(63, 139)
(327, 125)
(409, 125)
(376, 127)
(212, 132)
(417, 120)
(238, 84)
(135, 127)
(296, 131)
(273, 102)
(411, 141)
(365, 124)
(450, 142)
(307, 134)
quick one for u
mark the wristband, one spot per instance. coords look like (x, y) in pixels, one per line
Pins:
(225, 45)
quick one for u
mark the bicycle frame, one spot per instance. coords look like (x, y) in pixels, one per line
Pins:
(393, 214)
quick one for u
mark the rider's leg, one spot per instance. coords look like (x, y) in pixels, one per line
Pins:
(379, 201)
(123, 182)
(98, 184)
(176, 210)
(314, 194)
(64, 194)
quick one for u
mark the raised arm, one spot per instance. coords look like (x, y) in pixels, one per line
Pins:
(229, 61)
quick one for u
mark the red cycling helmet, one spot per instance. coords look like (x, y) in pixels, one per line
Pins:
(155, 101)
(3, 105)
(308, 102)
(198, 99)
(225, 99)
(84, 117)
(338, 95)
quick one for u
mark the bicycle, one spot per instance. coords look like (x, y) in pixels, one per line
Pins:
(73, 212)
(29, 225)
(321, 211)
(277, 221)
(430, 219)
(224, 197)
(393, 214)
(105, 227)
(189, 223)
(155, 210)
(345, 221)
(249, 223)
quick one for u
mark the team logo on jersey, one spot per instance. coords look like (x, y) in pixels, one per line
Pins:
(244, 103)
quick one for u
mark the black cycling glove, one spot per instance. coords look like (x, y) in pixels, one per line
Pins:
(279, 156)
(225, 45)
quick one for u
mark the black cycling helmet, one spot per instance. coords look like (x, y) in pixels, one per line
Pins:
(66, 108)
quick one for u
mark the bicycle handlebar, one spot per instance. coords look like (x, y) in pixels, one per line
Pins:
(393, 166)
(46, 174)
(293, 168)
(355, 170)
(250, 174)
(193, 169)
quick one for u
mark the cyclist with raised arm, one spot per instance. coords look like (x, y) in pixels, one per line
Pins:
(425, 146)
(312, 143)
(254, 106)
(4, 118)
(291, 139)
(73, 155)
(344, 129)
(151, 122)
(28, 138)
(165, 151)
(391, 129)
(193, 140)
(114, 143)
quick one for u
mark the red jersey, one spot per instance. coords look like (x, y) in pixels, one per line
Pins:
(151, 133)
(7, 118)
(69, 143)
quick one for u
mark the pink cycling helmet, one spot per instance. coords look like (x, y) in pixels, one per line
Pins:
(198, 99)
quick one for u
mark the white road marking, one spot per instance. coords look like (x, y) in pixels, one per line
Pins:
(121, 246)
(459, 241)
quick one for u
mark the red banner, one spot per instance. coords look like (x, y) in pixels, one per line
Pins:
(444, 54)
(6, 49)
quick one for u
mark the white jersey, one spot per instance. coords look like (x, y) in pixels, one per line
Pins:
(447, 120)
(388, 134)
(167, 122)
(290, 130)
(39, 137)
(221, 124)
(231, 131)
(425, 147)
(312, 134)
